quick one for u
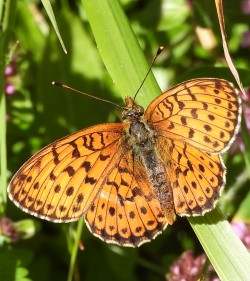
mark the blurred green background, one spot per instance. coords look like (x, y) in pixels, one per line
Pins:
(38, 113)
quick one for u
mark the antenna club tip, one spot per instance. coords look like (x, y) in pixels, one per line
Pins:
(161, 48)
(57, 84)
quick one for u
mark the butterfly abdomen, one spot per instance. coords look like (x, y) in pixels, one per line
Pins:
(142, 143)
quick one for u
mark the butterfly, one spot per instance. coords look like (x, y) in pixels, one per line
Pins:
(129, 180)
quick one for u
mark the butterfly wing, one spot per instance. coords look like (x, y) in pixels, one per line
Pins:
(91, 172)
(197, 177)
(60, 182)
(192, 123)
(204, 113)
(126, 211)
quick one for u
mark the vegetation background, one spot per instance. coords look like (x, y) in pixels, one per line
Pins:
(38, 113)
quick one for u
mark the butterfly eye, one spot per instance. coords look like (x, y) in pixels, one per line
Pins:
(139, 110)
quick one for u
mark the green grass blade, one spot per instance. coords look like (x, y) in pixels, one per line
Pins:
(75, 249)
(8, 17)
(7, 20)
(1, 8)
(3, 151)
(120, 50)
(224, 249)
(49, 10)
(124, 60)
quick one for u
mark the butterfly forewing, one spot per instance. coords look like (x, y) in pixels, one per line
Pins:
(203, 112)
(60, 182)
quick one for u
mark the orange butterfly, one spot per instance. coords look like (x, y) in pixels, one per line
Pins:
(129, 180)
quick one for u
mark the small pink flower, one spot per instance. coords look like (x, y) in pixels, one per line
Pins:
(8, 229)
(188, 268)
(239, 228)
(246, 40)
(9, 70)
(9, 73)
(9, 89)
(245, 7)
(247, 240)
(243, 231)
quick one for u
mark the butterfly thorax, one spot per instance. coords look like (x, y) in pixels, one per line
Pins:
(141, 141)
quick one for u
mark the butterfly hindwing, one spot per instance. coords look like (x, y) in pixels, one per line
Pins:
(197, 177)
(126, 210)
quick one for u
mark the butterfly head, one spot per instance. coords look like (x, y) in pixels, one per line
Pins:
(132, 111)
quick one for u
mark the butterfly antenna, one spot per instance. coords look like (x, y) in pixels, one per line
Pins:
(58, 84)
(150, 67)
